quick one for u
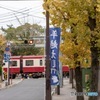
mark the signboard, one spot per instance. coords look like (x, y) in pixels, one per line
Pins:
(7, 56)
(7, 49)
(54, 54)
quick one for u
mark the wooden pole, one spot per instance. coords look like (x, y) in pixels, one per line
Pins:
(48, 69)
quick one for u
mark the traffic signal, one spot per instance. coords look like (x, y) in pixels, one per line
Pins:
(25, 41)
(28, 41)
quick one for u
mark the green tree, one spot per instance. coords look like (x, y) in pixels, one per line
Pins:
(23, 33)
(17, 50)
(10, 33)
(28, 32)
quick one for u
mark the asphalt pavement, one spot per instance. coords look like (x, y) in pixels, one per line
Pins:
(66, 92)
(28, 89)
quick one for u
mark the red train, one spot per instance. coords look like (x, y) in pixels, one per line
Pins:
(34, 65)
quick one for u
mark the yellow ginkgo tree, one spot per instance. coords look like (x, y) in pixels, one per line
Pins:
(68, 50)
(2, 47)
(75, 50)
(82, 17)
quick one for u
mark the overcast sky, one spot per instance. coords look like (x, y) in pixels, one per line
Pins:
(18, 12)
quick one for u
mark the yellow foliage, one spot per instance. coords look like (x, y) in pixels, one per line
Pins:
(74, 15)
(68, 49)
(2, 44)
(2, 40)
(98, 6)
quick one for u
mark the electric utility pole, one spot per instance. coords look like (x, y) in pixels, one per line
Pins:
(48, 69)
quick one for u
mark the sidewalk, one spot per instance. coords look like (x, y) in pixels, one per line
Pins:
(12, 82)
(66, 92)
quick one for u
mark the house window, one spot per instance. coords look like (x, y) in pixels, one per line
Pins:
(41, 62)
(29, 62)
(14, 63)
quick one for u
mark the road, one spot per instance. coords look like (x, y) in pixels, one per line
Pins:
(28, 89)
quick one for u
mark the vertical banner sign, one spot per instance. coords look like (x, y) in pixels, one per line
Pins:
(54, 54)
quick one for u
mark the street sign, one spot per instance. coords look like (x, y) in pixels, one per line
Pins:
(7, 49)
(7, 56)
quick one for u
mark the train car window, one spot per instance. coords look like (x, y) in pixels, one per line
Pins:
(41, 63)
(14, 63)
(29, 62)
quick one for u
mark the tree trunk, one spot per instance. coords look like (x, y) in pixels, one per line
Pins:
(71, 77)
(99, 82)
(95, 69)
(79, 87)
(94, 55)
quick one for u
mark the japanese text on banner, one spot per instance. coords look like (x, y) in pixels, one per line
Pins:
(54, 54)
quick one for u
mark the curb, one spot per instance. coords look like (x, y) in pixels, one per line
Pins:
(5, 87)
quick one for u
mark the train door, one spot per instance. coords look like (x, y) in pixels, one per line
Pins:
(21, 64)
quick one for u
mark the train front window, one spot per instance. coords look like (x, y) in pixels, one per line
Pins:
(14, 63)
(29, 62)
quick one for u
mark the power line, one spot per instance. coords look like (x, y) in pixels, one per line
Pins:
(21, 12)
(12, 19)
(12, 15)
(18, 14)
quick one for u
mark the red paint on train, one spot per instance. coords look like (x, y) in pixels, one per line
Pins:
(65, 68)
(29, 69)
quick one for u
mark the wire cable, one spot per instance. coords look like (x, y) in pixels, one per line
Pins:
(20, 12)
(12, 15)
(8, 14)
